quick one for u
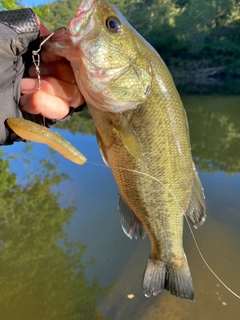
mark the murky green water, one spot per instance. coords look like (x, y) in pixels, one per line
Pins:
(64, 256)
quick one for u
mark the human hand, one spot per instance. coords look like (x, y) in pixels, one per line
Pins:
(19, 34)
(58, 91)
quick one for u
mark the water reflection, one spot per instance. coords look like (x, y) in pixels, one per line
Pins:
(41, 271)
(214, 123)
(45, 272)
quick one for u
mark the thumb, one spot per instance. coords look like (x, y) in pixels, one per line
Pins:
(42, 28)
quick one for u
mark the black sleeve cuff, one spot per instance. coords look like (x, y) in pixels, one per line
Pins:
(18, 31)
(25, 24)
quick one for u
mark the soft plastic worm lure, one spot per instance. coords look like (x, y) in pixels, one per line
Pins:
(32, 131)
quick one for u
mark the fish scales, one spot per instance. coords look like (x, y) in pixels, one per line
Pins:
(142, 133)
(141, 191)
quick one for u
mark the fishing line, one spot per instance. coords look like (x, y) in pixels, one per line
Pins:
(139, 172)
(202, 257)
(97, 164)
(190, 228)
(36, 61)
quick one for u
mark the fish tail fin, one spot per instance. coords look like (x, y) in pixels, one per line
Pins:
(160, 275)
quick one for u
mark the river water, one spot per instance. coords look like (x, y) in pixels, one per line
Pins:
(64, 256)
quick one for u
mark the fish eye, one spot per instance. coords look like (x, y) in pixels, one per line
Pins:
(113, 24)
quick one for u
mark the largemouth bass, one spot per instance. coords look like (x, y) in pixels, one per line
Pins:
(143, 135)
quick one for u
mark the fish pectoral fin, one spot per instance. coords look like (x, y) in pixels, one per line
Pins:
(160, 275)
(131, 225)
(101, 147)
(129, 139)
(196, 212)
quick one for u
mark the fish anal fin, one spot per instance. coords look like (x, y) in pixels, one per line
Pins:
(131, 225)
(160, 275)
(196, 211)
(129, 138)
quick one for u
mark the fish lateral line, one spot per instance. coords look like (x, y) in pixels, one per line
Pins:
(188, 223)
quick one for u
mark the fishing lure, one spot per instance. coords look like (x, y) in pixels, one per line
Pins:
(32, 131)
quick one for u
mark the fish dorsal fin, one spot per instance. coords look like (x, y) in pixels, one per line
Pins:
(196, 209)
(131, 225)
(129, 138)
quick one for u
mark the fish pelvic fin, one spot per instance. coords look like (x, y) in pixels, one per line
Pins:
(101, 147)
(160, 275)
(196, 211)
(131, 225)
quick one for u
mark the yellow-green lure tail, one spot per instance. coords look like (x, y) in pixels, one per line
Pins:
(31, 131)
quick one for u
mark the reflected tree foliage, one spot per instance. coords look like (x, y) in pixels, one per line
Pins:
(80, 122)
(41, 272)
(215, 132)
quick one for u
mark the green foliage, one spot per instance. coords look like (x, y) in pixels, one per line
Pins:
(80, 122)
(57, 14)
(39, 279)
(9, 4)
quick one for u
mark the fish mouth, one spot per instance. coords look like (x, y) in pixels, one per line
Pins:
(61, 33)
(78, 24)
(85, 6)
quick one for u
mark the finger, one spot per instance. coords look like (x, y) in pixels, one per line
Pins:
(44, 31)
(45, 104)
(55, 87)
(56, 69)
(42, 28)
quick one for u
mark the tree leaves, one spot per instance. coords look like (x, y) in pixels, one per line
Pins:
(9, 4)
